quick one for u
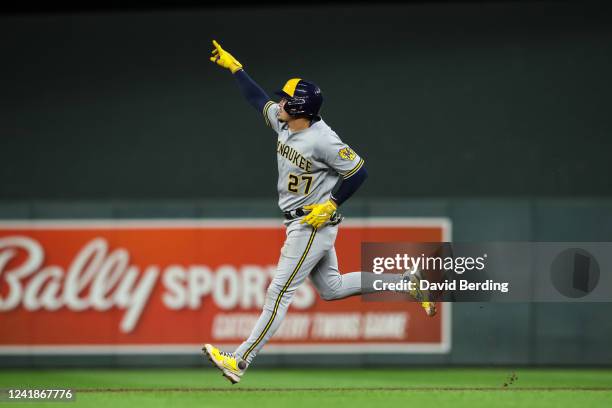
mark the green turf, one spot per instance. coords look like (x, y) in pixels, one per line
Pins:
(321, 388)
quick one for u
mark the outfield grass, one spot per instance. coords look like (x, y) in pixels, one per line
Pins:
(321, 388)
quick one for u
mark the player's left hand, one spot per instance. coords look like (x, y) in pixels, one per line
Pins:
(319, 213)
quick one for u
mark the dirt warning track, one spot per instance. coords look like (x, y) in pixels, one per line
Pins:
(326, 389)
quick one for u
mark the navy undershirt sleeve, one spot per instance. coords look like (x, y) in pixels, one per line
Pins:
(348, 186)
(253, 93)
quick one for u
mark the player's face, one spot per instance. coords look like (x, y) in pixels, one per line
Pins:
(282, 115)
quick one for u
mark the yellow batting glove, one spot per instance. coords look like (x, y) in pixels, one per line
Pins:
(319, 213)
(224, 58)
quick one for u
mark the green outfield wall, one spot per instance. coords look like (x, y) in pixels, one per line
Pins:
(482, 333)
(500, 99)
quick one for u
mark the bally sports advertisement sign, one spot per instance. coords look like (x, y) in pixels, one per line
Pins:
(169, 286)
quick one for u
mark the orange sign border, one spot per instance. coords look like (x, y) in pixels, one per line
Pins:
(349, 348)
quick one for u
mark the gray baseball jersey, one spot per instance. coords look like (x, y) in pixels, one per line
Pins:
(310, 161)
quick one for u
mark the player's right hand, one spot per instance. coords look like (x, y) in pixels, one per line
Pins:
(224, 58)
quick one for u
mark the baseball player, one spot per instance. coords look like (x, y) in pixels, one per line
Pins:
(311, 161)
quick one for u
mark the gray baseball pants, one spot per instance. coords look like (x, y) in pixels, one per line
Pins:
(306, 253)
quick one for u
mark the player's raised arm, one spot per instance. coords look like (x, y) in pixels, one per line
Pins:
(253, 93)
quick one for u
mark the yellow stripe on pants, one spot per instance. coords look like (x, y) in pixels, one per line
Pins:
(280, 295)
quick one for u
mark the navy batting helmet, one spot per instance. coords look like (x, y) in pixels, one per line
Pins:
(303, 97)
